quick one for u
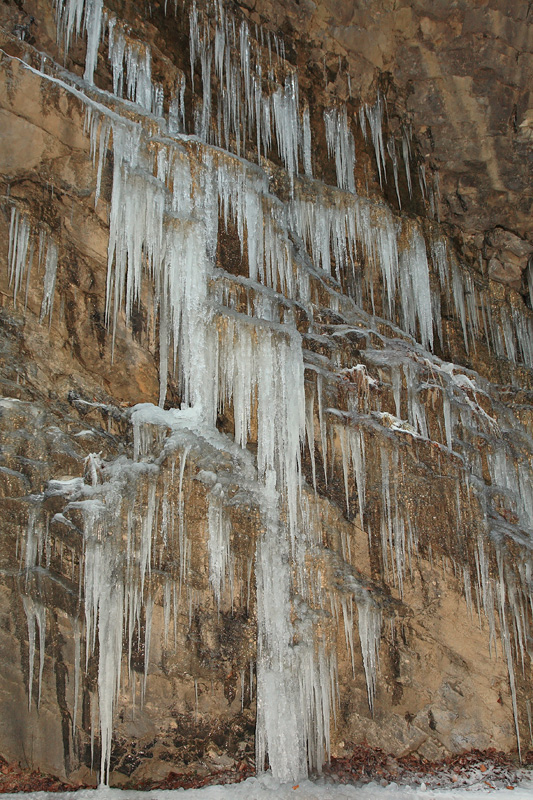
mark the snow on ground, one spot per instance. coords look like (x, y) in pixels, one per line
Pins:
(267, 788)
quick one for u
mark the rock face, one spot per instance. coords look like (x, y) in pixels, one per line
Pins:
(266, 362)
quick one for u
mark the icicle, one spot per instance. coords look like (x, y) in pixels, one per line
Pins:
(386, 513)
(306, 142)
(70, 14)
(353, 448)
(310, 431)
(508, 334)
(391, 149)
(93, 26)
(341, 145)
(297, 725)
(370, 638)
(415, 289)
(345, 470)
(287, 123)
(102, 154)
(436, 194)
(176, 110)
(323, 429)
(397, 388)
(77, 660)
(194, 38)
(148, 609)
(506, 642)
(116, 50)
(487, 596)
(529, 272)
(35, 615)
(219, 541)
(362, 122)
(49, 280)
(448, 418)
(348, 628)
(406, 153)
(20, 253)
(415, 409)
(374, 115)
(422, 180)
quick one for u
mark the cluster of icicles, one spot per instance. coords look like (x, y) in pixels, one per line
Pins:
(234, 341)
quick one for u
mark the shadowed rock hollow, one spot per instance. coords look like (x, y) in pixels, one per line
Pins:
(266, 355)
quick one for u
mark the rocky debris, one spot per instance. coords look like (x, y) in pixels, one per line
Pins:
(475, 769)
(490, 768)
(14, 778)
(196, 778)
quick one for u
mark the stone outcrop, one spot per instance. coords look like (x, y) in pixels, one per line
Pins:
(314, 256)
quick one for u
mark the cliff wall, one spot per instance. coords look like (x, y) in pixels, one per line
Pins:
(266, 383)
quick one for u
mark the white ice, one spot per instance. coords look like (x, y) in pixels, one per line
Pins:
(268, 788)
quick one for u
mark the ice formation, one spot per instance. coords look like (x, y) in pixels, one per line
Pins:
(341, 145)
(73, 16)
(21, 257)
(236, 342)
